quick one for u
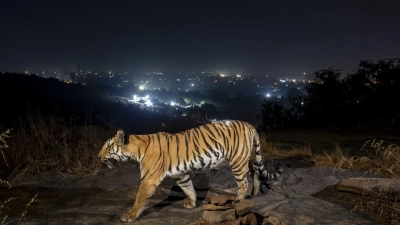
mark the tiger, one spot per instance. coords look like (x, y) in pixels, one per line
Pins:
(175, 155)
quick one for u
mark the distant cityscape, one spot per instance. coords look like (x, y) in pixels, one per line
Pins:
(270, 86)
(201, 96)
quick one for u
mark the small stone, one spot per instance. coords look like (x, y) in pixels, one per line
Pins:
(270, 220)
(249, 219)
(244, 206)
(221, 199)
(211, 207)
(219, 216)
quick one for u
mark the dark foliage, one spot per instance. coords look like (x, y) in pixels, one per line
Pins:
(363, 100)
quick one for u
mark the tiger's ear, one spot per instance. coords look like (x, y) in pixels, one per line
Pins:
(120, 137)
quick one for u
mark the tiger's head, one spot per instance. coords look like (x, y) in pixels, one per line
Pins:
(113, 148)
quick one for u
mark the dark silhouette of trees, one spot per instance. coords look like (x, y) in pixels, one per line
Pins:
(273, 115)
(363, 100)
(209, 111)
(382, 83)
(324, 102)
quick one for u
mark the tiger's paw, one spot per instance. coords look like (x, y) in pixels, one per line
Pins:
(128, 217)
(189, 204)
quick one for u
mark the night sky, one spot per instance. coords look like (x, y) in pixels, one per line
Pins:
(264, 37)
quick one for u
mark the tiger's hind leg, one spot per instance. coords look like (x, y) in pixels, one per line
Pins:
(256, 180)
(185, 183)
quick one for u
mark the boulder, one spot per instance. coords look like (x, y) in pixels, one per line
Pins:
(244, 206)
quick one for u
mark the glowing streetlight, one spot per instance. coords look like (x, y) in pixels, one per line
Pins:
(148, 103)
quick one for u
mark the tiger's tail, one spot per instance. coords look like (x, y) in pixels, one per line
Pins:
(263, 173)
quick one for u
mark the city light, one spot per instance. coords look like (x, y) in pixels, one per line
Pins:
(148, 103)
(278, 85)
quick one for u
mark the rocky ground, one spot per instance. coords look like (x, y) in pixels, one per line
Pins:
(302, 195)
(102, 198)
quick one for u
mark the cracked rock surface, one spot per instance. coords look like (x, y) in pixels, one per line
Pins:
(102, 198)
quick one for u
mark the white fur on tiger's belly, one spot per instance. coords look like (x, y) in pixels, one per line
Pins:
(196, 165)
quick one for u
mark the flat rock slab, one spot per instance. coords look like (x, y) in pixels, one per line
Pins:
(307, 210)
(103, 197)
(366, 185)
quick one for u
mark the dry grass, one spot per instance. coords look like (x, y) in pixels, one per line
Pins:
(382, 158)
(272, 149)
(26, 208)
(386, 157)
(43, 144)
(382, 205)
(3, 144)
(4, 219)
(340, 159)
(385, 160)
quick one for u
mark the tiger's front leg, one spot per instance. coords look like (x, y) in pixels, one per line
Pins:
(146, 190)
(185, 183)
